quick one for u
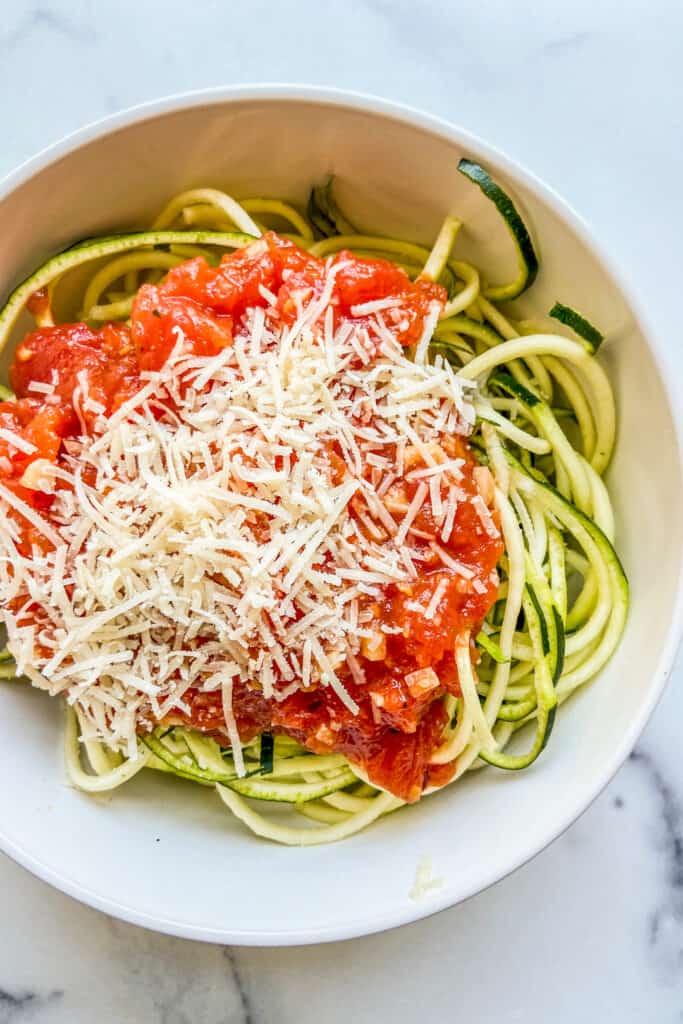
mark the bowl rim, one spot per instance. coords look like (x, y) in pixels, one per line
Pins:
(449, 131)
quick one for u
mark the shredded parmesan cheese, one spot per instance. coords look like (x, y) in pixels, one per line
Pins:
(215, 540)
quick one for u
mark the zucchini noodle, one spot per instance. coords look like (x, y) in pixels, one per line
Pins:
(545, 427)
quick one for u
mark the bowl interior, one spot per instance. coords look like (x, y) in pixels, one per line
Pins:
(165, 853)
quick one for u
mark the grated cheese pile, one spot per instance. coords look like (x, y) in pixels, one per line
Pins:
(213, 541)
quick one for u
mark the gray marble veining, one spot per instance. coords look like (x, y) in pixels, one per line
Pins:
(25, 1003)
(665, 920)
(589, 95)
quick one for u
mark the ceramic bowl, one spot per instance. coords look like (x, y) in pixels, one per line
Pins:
(166, 854)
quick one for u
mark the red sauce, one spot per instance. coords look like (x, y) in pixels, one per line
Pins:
(399, 721)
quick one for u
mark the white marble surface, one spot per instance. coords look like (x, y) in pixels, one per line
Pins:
(590, 96)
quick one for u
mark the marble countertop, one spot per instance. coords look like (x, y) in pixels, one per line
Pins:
(589, 95)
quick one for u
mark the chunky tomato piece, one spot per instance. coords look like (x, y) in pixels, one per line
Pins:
(368, 280)
(393, 759)
(428, 639)
(401, 763)
(289, 259)
(161, 321)
(439, 775)
(42, 427)
(242, 276)
(361, 281)
(251, 711)
(39, 303)
(104, 360)
(231, 287)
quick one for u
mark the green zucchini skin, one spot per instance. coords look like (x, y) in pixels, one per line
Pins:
(578, 324)
(323, 225)
(185, 767)
(255, 784)
(324, 212)
(506, 382)
(490, 647)
(267, 751)
(528, 260)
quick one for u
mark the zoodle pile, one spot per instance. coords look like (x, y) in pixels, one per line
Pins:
(543, 428)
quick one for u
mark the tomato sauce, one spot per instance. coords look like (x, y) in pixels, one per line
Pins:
(407, 667)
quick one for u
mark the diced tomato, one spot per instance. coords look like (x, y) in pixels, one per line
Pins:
(41, 426)
(362, 281)
(428, 639)
(251, 711)
(158, 318)
(393, 759)
(366, 280)
(439, 775)
(231, 287)
(289, 259)
(57, 355)
(38, 303)
(401, 763)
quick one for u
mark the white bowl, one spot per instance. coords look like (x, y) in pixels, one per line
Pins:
(165, 854)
